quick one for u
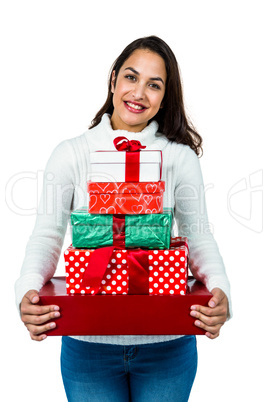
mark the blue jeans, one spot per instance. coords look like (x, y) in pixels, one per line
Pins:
(157, 372)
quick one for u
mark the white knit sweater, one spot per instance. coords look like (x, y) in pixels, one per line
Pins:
(64, 190)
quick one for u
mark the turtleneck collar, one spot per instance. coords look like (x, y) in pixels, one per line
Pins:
(100, 138)
(147, 136)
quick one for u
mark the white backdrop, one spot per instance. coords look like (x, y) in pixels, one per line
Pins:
(55, 59)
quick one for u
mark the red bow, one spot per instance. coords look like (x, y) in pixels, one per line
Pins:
(123, 144)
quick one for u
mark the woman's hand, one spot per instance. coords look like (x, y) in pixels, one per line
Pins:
(212, 318)
(35, 317)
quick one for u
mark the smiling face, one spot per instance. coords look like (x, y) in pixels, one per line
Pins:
(138, 91)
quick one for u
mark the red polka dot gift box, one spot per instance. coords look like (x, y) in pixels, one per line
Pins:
(109, 270)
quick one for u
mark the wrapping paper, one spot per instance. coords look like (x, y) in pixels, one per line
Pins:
(125, 198)
(165, 271)
(150, 231)
(142, 166)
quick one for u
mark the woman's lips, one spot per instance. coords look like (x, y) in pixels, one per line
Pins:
(134, 107)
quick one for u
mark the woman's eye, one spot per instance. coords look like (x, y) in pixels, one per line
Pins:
(155, 86)
(130, 77)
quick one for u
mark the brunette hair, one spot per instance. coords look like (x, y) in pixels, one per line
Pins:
(172, 119)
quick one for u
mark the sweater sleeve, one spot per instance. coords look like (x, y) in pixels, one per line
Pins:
(206, 263)
(44, 246)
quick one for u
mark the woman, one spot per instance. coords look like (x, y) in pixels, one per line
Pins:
(145, 103)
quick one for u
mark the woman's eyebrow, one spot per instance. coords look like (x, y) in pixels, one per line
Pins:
(137, 73)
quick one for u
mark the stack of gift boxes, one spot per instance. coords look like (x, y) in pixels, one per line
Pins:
(121, 241)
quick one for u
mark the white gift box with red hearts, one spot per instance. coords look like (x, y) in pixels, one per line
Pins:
(167, 271)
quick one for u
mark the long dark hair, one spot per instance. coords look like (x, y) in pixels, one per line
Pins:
(172, 119)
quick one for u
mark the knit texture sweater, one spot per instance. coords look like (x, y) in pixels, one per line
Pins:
(64, 189)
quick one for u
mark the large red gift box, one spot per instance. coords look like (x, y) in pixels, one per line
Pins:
(132, 271)
(124, 314)
(125, 198)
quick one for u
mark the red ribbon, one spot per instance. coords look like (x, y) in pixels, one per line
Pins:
(132, 163)
(138, 267)
(123, 144)
(119, 231)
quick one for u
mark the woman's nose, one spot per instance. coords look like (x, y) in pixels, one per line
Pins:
(138, 92)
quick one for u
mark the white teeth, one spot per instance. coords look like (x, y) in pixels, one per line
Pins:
(137, 107)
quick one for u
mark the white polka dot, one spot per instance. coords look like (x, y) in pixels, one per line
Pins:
(151, 279)
(171, 269)
(87, 253)
(166, 263)
(109, 266)
(166, 274)
(113, 260)
(124, 272)
(171, 280)
(156, 285)
(161, 257)
(77, 286)
(177, 275)
(161, 268)
(118, 266)
(71, 258)
(109, 288)
(77, 275)
(113, 293)
(103, 282)
(177, 264)
(77, 253)
(118, 255)
(72, 280)
(182, 270)
(155, 273)
(182, 259)
(72, 269)
(171, 258)
(166, 286)
(177, 252)
(124, 283)
(171, 291)
(66, 252)
(108, 276)
(92, 292)
(151, 267)
(150, 257)
(113, 271)
(161, 279)
(150, 290)
(182, 281)
(83, 291)
(67, 285)
(82, 259)
(124, 261)
(177, 286)
(155, 263)
(182, 292)
(82, 270)
(155, 251)
(119, 288)
(103, 292)
(113, 283)
(161, 291)
(67, 274)
(72, 290)
(67, 263)
(77, 264)
(119, 277)
(166, 252)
